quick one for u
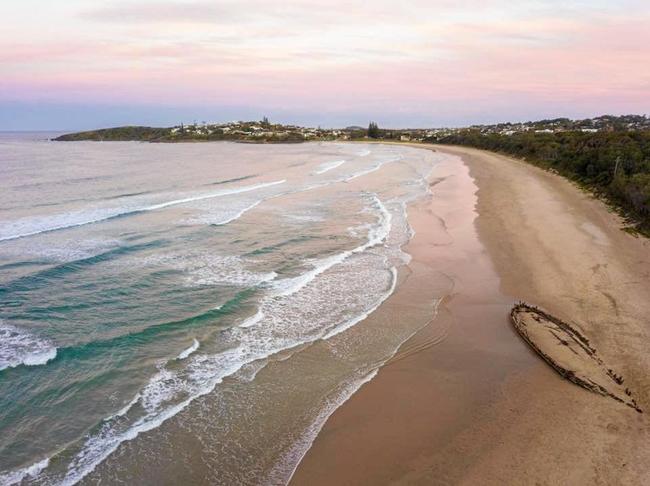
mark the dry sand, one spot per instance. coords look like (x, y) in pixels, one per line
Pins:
(465, 401)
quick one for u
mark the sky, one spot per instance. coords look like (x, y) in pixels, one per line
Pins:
(79, 64)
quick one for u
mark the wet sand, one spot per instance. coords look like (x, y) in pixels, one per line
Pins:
(465, 401)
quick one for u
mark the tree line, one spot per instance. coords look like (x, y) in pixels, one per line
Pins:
(613, 164)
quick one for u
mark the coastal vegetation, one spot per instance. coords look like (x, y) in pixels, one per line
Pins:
(118, 134)
(373, 130)
(613, 164)
(250, 132)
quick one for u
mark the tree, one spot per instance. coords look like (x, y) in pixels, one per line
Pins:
(265, 122)
(373, 130)
(612, 163)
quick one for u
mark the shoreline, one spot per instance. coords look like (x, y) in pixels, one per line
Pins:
(459, 410)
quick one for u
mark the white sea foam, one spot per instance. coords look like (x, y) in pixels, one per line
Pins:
(338, 329)
(376, 235)
(122, 411)
(400, 236)
(186, 352)
(218, 270)
(205, 268)
(64, 251)
(240, 213)
(222, 216)
(304, 217)
(282, 322)
(249, 371)
(21, 347)
(371, 169)
(327, 166)
(291, 285)
(295, 311)
(204, 374)
(164, 385)
(363, 172)
(34, 225)
(226, 192)
(160, 389)
(251, 321)
(18, 476)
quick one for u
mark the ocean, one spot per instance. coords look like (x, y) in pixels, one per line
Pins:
(193, 313)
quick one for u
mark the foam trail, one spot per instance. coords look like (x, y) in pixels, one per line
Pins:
(371, 169)
(376, 236)
(239, 214)
(227, 192)
(288, 286)
(122, 411)
(185, 353)
(17, 477)
(347, 325)
(251, 321)
(81, 218)
(363, 172)
(20, 347)
(101, 445)
(326, 167)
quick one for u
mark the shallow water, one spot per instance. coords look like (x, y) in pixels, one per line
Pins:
(193, 311)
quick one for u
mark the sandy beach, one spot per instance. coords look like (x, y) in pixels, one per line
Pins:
(465, 400)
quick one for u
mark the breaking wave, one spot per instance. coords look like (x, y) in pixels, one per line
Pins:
(20, 347)
(43, 224)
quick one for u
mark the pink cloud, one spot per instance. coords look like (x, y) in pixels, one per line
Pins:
(366, 61)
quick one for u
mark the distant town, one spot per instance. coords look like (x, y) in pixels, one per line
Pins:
(606, 123)
(266, 132)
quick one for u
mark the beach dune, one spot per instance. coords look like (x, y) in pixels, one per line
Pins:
(474, 404)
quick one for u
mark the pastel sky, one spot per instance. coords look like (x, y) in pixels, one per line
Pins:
(74, 64)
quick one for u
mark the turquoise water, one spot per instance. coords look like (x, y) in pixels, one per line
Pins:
(138, 280)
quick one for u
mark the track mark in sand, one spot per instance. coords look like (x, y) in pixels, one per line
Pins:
(612, 301)
(569, 353)
(597, 267)
(408, 349)
(437, 180)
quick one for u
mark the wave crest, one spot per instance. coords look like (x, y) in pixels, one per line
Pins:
(21, 347)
